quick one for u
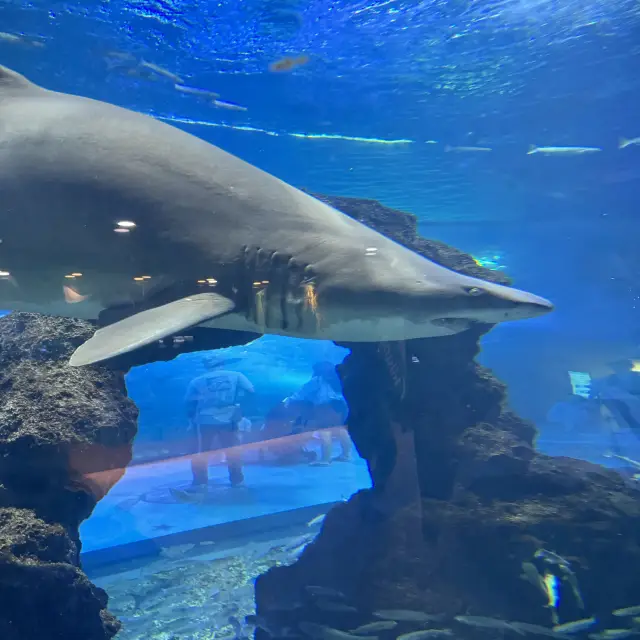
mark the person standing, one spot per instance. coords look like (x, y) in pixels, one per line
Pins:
(213, 403)
(322, 408)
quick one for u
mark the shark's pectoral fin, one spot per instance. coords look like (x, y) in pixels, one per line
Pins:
(148, 326)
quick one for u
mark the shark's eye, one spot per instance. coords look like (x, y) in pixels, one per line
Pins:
(474, 291)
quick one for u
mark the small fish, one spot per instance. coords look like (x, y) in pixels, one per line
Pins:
(487, 623)
(161, 72)
(425, 633)
(137, 72)
(630, 461)
(536, 629)
(406, 615)
(328, 633)
(301, 540)
(570, 577)
(296, 552)
(162, 527)
(176, 551)
(623, 143)
(575, 626)
(119, 61)
(374, 627)
(261, 622)
(531, 574)
(316, 520)
(288, 63)
(323, 592)
(614, 634)
(550, 557)
(114, 54)
(449, 148)
(338, 607)
(195, 91)
(627, 611)
(11, 37)
(273, 631)
(561, 151)
(231, 106)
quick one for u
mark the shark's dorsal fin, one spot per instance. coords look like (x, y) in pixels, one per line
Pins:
(10, 79)
(148, 326)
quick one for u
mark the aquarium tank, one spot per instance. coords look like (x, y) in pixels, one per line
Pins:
(321, 319)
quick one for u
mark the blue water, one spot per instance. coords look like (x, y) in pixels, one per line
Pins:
(503, 75)
(388, 86)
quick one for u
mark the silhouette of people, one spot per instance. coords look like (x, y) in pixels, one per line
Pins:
(322, 408)
(214, 411)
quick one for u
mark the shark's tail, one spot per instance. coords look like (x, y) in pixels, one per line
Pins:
(622, 143)
(532, 149)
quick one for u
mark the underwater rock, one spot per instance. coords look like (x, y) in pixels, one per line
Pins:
(587, 514)
(65, 440)
(43, 592)
(460, 498)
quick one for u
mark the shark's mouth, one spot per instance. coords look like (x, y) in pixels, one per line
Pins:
(455, 325)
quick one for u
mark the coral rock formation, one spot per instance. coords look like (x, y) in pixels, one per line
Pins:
(460, 498)
(65, 440)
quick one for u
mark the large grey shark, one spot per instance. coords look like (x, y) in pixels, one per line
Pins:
(113, 215)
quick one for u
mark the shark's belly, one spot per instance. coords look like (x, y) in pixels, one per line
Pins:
(379, 330)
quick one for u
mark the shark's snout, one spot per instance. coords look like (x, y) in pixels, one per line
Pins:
(493, 303)
(527, 305)
(538, 307)
(506, 304)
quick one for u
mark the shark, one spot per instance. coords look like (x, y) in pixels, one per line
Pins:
(114, 216)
